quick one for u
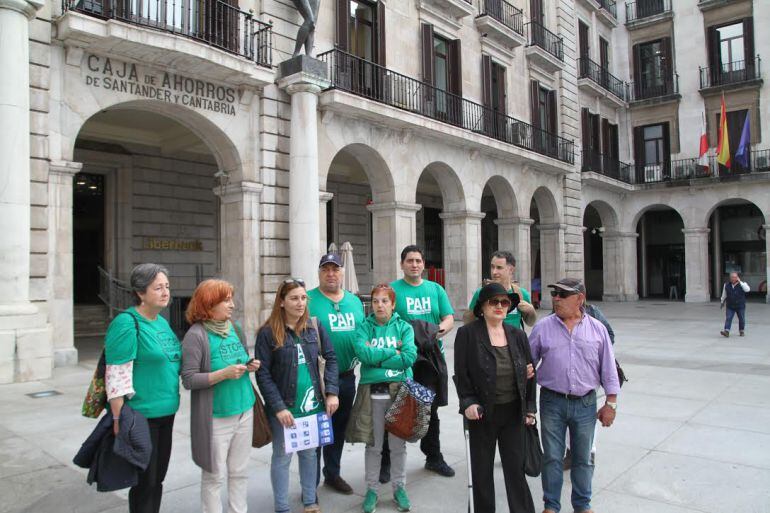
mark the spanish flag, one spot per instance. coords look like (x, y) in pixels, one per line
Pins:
(723, 146)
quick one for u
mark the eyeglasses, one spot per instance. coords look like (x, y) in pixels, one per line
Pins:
(505, 303)
(563, 294)
(299, 282)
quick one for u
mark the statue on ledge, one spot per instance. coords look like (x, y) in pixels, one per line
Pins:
(308, 9)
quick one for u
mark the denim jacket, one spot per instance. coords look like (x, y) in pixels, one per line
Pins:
(277, 376)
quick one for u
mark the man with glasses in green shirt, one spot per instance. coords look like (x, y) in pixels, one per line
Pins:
(502, 269)
(340, 312)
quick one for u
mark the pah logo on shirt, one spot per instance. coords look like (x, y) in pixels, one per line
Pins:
(418, 305)
(309, 402)
(342, 321)
(382, 342)
(392, 373)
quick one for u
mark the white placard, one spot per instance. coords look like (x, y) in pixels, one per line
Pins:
(308, 433)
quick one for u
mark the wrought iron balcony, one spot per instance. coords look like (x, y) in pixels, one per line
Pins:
(609, 6)
(369, 80)
(503, 12)
(541, 37)
(607, 166)
(595, 72)
(642, 9)
(212, 22)
(731, 73)
(651, 89)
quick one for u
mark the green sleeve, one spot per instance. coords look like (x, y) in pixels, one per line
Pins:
(408, 355)
(368, 355)
(525, 295)
(475, 298)
(444, 306)
(120, 343)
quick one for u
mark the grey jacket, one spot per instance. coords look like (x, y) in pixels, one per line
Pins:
(196, 367)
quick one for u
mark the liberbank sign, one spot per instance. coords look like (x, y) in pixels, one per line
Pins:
(125, 77)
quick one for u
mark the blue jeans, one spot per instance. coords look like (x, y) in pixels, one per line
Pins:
(333, 453)
(279, 471)
(729, 312)
(557, 415)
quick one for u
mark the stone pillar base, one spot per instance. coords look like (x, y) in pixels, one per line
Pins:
(25, 354)
(64, 357)
(620, 298)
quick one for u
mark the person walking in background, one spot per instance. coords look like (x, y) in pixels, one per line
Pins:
(340, 313)
(575, 356)
(496, 396)
(419, 299)
(387, 352)
(502, 269)
(290, 383)
(143, 357)
(215, 367)
(734, 298)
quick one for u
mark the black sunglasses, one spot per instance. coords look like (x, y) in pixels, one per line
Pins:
(299, 282)
(563, 293)
(505, 303)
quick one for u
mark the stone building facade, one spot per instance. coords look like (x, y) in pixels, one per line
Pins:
(170, 132)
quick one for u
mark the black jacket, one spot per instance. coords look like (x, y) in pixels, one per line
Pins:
(430, 368)
(277, 376)
(115, 462)
(476, 368)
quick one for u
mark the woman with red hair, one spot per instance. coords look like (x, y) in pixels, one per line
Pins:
(215, 366)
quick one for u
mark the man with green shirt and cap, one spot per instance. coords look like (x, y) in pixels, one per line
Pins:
(340, 312)
(502, 269)
(419, 299)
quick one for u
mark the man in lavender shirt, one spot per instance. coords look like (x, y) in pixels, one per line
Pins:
(575, 357)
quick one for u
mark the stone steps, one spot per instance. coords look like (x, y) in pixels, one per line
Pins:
(91, 320)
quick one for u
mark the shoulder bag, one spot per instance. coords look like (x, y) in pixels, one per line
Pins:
(533, 458)
(409, 415)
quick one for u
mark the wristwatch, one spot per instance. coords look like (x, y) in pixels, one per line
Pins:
(614, 406)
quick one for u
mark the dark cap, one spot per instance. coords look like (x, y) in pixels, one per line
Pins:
(570, 285)
(330, 258)
(491, 290)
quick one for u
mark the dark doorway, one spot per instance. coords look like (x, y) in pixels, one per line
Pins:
(593, 254)
(88, 236)
(660, 252)
(434, 239)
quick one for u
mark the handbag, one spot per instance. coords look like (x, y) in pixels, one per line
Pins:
(533, 457)
(409, 415)
(261, 434)
(96, 396)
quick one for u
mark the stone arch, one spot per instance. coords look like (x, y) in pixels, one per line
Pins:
(505, 197)
(374, 166)
(608, 214)
(667, 253)
(547, 242)
(657, 205)
(547, 206)
(452, 191)
(732, 201)
(601, 251)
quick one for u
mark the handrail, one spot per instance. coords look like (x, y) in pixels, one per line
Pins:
(602, 76)
(608, 166)
(609, 6)
(646, 8)
(540, 36)
(638, 91)
(503, 12)
(367, 79)
(213, 22)
(728, 73)
(114, 293)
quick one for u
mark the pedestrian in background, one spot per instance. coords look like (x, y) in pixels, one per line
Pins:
(734, 298)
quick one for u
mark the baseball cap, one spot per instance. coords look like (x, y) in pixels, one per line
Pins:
(570, 285)
(330, 258)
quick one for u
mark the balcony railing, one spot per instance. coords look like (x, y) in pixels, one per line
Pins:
(646, 8)
(607, 166)
(649, 89)
(591, 70)
(540, 36)
(609, 6)
(503, 12)
(369, 80)
(212, 22)
(730, 73)
(676, 170)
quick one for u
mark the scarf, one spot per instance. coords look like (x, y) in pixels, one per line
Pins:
(221, 328)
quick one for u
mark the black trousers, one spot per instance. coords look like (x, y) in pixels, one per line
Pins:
(145, 496)
(506, 429)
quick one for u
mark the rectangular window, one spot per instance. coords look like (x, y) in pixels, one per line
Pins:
(363, 20)
(652, 151)
(653, 69)
(498, 88)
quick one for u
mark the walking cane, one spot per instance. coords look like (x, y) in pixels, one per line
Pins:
(468, 461)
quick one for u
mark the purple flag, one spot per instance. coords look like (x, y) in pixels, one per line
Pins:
(742, 155)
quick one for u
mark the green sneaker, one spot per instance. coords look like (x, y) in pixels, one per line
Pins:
(370, 502)
(402, 500)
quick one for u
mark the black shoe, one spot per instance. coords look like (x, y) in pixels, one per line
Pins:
(338, 484)
(725, 333)
(440, 467)
(384, 474)
(567, 463)
(743, 333)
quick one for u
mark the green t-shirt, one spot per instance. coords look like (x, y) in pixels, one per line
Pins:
(157, 357)
(427, 301)
(513, 318)
(231, 396)
(305, 403)
(340, 321)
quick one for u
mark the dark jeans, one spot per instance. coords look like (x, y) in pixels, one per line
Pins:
(333, 453)
(430, 445)
(145, 496)
(506, 429)
(729, 312)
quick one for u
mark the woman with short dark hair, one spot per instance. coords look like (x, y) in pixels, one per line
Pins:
(143, 357)
(215, 367)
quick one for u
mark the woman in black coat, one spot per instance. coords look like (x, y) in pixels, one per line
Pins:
(497, 397)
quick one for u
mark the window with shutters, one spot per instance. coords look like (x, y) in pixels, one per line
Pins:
(653, 144)
(442, 70)
(653, 69)
(362, 26)
(652, 152)
(498, 88)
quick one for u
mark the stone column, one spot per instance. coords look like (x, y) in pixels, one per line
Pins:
(394, 226)
(767, 259)
(25, 345)
(240, 243)
(513, 235)
(462, 256)
(60, 301)
(696, 259)
(642, 262)
(716, 251)
(304, 78)
(619, 261)
(551, 258)
(324, 198)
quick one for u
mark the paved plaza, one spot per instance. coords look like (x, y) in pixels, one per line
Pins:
(692, 432)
